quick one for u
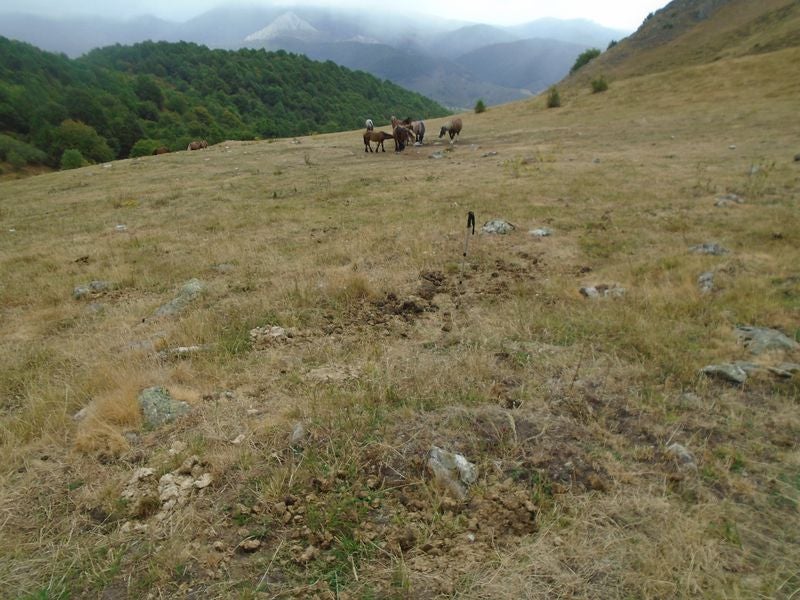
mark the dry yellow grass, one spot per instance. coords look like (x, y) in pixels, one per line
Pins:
(563, 402)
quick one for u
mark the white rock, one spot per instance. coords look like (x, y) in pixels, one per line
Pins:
(203, 481)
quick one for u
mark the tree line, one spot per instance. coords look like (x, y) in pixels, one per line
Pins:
(124, 101)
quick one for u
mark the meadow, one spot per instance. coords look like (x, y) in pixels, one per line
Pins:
(316, 442)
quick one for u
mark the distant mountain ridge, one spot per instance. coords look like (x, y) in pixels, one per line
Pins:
(445, 59)
(288, 24)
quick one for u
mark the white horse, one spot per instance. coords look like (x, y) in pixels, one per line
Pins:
(369, 124)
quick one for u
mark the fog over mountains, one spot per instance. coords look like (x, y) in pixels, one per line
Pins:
(451, 62)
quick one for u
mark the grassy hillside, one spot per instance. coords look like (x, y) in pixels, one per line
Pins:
(304, 457)
(123, 101)
(693, 32)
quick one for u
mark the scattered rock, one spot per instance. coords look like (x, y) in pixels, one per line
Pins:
(706, 282)
(603, 291)
(249, 545)
(91, 289)
(141, 494)
(309, 554)
(785, 370)
(541, 232)
(797, 158)
(269, 335)
(81, 414)
(682, 455)
(727, 372)
(488, 154)
(452, 472)
(238, 439)
(732, 147)
(159, 407)
(728, 200)
(760, 340)
(298, 434)
(333, 374)
(224, 268)
(188, 293)
(177, 447)
(121, 228)
(498, 226)
(437, 155)
(181, 352)
(203, 481)
(711, 248)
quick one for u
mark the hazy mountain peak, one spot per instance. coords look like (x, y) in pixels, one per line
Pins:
(288, 24)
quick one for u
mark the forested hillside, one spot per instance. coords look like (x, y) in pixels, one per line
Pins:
(123, 101)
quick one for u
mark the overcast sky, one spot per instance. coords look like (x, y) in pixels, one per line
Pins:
(620, 14)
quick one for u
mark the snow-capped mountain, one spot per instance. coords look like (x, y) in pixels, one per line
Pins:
(287, 25)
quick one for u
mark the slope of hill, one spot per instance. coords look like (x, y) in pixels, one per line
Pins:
(575, 31)
(528, 64)
(125, 100)
(467, 39)
(687, 32)
(450, 82)
(331, 339)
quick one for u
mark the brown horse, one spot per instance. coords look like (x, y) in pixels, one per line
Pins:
(375, 136)
(160, 150)
(418, 127)
(452, 127)
(198, 145)
(402, 136)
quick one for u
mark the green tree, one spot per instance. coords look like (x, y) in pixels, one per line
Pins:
(480, 107)
(583, 58)
(147, 90)
(144, 147)
(72, 159)
(79, 136)
(553, 97)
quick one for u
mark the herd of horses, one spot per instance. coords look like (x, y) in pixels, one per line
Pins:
(405, 132)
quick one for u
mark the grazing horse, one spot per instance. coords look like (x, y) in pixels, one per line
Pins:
(161, 150)
(418, 127)
(375, 136)
(198, 145)
(452, 127)
(402, 135)
(370, 125)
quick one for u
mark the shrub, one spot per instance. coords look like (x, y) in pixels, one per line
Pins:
(15, 151)
(16, 160)
(611, 44)
(553, 98)
(72, 159)
(76, 135)
(480, 107)
(583, 58)
(599, 85)
(144, 147)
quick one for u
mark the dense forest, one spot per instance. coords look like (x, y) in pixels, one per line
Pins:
(123, 101)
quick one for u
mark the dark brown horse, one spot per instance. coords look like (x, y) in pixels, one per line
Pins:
(198, 145)
(402, 136)
(375, 136)
(161, 150)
